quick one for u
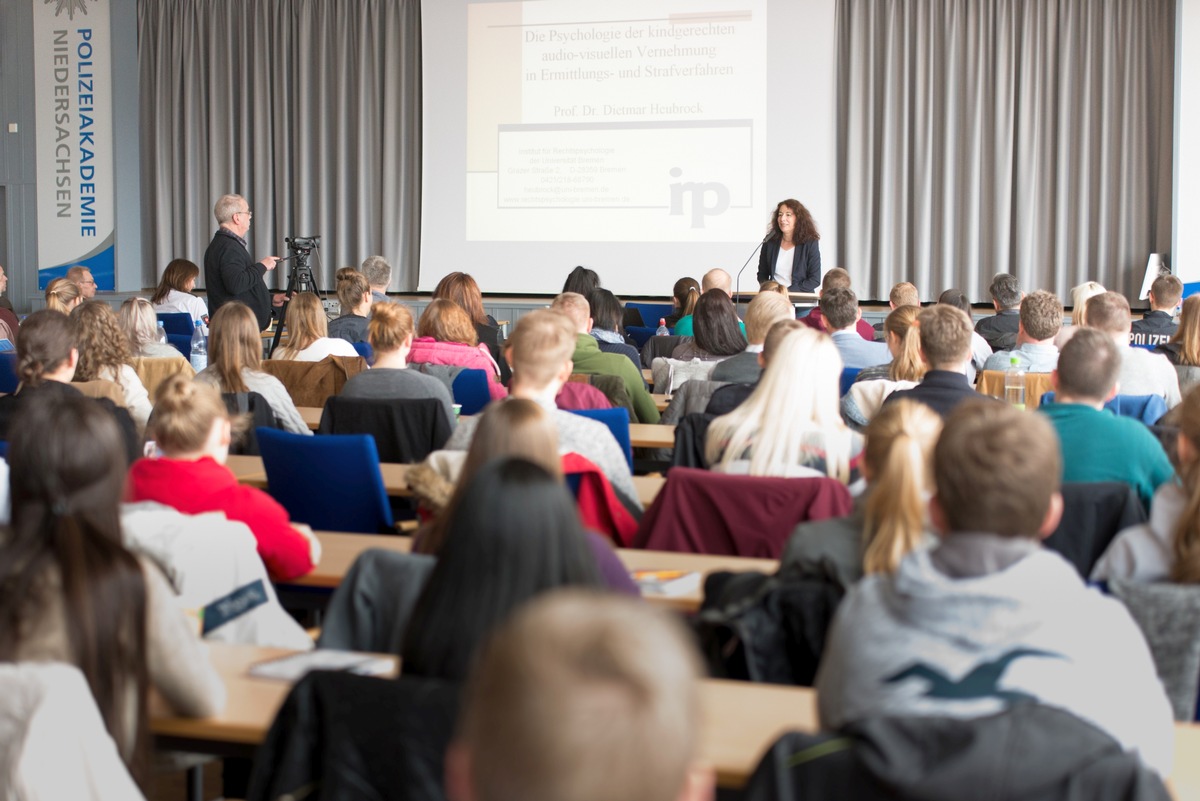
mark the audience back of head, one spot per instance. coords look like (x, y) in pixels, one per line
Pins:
(839, 305)
(352, 289)
(540, 348)
(178, 275)
(462, 289)
(904, 294)
(582, 281)
(605, 310)
(715, 325)
(45, 343)
(1187, 336)
(101, 342)
(766, 309)
(377, 271)
(390, 327)
(1185, 544)
(234, 345)
(907, 364)
(1088, 367)
(1109, 312)
(446, 321)
(1041, 315)
(1165, 292)
(1005, 291)
(686, 293)
(945, 337)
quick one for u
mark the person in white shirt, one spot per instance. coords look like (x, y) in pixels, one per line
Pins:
(308, 333)
(174, 292)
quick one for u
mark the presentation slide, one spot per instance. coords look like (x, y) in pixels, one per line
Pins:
(627, 136)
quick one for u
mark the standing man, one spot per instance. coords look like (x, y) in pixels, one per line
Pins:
(82, 277)
(229, 271)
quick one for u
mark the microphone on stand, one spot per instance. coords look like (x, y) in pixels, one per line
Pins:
(737, 283)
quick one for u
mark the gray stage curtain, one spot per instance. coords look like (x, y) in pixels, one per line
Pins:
(309, 108)
(984, 136)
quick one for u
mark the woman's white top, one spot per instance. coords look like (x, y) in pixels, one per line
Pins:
(783, 266)
(183, 302)
(137, 399)
(325, 346)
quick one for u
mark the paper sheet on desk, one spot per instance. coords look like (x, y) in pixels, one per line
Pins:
(294, 666)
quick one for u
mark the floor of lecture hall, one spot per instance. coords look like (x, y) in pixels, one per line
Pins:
(172, 786)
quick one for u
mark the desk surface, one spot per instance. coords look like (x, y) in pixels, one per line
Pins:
(339, 550)
(739, 721)
(249, 470)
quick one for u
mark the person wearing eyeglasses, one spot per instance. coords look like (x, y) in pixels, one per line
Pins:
(82, 277)
(230, 273)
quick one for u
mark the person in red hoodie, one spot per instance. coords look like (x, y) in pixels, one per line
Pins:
(192, 429)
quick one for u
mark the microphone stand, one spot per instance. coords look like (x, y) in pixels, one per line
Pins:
(737, 283)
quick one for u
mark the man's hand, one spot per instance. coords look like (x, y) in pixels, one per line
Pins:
(269, 263)
(278, 298)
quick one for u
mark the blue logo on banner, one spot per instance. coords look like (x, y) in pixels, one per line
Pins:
(101, 262)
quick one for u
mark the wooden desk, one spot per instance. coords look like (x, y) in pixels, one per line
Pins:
(340, 549)
(648, 375)
(661, 400)
(311, 415)
(739, 721)
(652, 435)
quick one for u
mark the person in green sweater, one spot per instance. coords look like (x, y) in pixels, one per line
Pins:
(1098, 445)
(590, 360)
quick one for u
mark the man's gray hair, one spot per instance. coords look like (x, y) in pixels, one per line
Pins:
(377, 270)
(228, 206)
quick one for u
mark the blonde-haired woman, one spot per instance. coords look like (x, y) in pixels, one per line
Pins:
(140, 324)
(1079, 299)
(235, 359)
(63, 295)
(904, 371)
(790, 425)
(308, 333)
(1167, 548)
(104, 354)
(889, 519)
(192, 428)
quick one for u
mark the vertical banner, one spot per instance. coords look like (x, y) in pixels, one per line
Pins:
(73, 82)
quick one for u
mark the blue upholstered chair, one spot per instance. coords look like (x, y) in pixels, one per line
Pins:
(470, 389)
(330, 482)
(617, 420)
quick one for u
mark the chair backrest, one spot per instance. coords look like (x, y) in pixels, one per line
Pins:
(177, 323)
(470, 389)
(991, 382)
(311, 383)
(404, 429)
(617, 421)
(181, 343)
(1169, 617)
(847, 380)
(663, 347)
(690, 434)
(365, 350)
(1093, 514)
(101, 388)
(698, 511)
(691, 398)
(261, 416)
(331, 483)
(8, 373)
(153, 370)
(1147, 408)
(640, 334)
(369, 610)
(671, 374)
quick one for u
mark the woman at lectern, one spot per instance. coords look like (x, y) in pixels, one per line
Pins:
(791, 255)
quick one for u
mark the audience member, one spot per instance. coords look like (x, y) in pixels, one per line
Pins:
(70, 591)
(1079, 298)
(837, 278)
(684, 296)
(725, 399)
(774, 286)
(1000, 330)
(590, 360)
(989, 618)
(104, 354)
(980, 349)
(874, 384)
(582, 281)
(766, 309)
(606, 326)
(1096, 444)
(1184, 346)
(1142, 372)
(390, 332)
(1167, 548)
(715, 330)
(62, 295)
(308, 333)
(791, 253)
(521, 429)
(192, 429)
(46, 362)
(82, 277)
(540, 350)
(901, 294)
(354, 297)
(1158, 325)
(513, 534)
(446, 335)
(1038, 322)
(379, 277)
(529, 721)
(462, 289)
(174, 292)
(6, 303)
(840, 309)
(945, 333)
(140, 324)
(890, 518)
(235, 359)
(717, 278)
(790, 425)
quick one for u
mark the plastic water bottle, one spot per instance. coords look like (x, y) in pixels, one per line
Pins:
(662, 328)
(162, 332)
(199, 348)
(1014, 384)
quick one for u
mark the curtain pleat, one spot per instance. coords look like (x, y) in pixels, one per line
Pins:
(309, 108)
(1023, 136)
